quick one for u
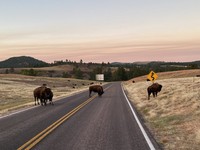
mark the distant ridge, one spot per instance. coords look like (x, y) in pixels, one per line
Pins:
(30, 62)
(22, 62)
(155, 62)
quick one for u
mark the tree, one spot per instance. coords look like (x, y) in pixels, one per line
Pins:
(78, 73)
(12, 70)
(81, 61)
(108, 75)
(30, 72)
(120, 74)
(97, 70)
(92, 76)
(66, 75)
(193, 66)
(6, 71)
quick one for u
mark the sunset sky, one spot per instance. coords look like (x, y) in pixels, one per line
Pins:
(101, 30)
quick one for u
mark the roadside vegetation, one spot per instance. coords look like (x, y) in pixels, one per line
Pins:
(174, 116)
(16, 91)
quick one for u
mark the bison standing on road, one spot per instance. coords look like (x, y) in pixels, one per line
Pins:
(36, 94)
(154, 88)
(43, 93)
(96, 88)
(46, 94)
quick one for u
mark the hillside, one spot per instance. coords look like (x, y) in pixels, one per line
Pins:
(170, 75)
(22, 62)
(71, 69)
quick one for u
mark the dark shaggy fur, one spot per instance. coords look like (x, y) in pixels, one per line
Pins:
(43, 93)
(154, 88)
(96, 88)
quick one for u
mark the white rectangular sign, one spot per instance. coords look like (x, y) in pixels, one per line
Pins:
(100, 77)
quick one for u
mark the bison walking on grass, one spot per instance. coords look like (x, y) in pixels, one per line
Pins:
(154, 89)
(96, 88)
(43, 94)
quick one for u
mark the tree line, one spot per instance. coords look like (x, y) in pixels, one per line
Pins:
(111, 71)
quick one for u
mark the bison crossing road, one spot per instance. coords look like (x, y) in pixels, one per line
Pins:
(43, 94)
(96, 88)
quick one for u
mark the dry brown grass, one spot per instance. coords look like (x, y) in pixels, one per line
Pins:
(174, 116)
(172, 74)
(16, 91)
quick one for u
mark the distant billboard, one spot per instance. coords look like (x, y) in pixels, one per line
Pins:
(100, 77)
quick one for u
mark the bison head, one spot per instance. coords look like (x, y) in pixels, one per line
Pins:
(159, 87)
(48, 93)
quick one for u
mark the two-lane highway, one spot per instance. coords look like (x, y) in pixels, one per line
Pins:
(76, 123)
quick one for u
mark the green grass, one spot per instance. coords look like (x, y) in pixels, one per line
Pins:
(162, 122)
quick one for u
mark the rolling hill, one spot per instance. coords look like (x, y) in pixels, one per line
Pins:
(22, 62)
(115, 71)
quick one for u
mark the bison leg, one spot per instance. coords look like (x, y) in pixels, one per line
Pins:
(90, 93)
(35, 100)
(51, 102)
(38, 101)
(154, 94)
(149, 93)
(45, 102)
(41, 101)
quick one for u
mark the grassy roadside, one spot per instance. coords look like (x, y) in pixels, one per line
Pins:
(16, 91)
(174, 116)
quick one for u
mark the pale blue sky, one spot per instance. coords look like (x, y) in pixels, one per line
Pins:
(101, 30)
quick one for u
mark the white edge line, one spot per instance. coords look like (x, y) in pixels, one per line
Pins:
(4, 116)
(139, 124)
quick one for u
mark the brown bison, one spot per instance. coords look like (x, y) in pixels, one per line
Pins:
(96, 88)
(43, 93)
(154, 88)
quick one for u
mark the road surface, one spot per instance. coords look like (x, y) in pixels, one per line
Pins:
(96, 123)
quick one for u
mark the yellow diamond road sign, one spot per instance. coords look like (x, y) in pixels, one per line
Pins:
(152, 76)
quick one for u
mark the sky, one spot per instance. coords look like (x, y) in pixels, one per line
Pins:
(101, 30)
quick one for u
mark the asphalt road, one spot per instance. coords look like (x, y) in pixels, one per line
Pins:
(105, 123)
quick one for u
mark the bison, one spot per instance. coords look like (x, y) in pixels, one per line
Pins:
(154, 88)
(96, 88)
(43, 93)
(46, 94)
(36, 94)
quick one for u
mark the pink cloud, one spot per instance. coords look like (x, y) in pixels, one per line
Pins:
(107, 52)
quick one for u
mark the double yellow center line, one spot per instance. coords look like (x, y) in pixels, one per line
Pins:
(32, 142)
